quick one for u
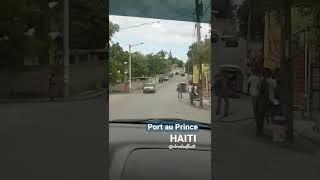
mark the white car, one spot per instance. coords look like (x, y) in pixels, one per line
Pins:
(149, 88)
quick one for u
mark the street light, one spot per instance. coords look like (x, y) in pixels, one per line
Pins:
(125, 72)
(130, 63)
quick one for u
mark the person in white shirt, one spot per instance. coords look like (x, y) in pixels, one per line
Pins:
(254, 81)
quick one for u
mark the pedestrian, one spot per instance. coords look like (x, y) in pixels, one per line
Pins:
(222, 91)
(253, 83)
(248, 85)
(263, 103)
(272, 83)
(179, 90)
(191, 91)
(52, 87)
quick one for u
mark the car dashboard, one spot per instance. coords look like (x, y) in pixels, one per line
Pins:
(136, 153)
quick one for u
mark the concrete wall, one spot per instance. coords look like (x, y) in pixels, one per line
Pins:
(32, 81)
(87, 77)
(28, 81)
(119, 87)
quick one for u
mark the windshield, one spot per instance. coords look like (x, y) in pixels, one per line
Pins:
(149, 85)
(156, 50)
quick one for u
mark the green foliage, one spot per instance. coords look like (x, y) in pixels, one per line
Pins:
(87, 27)
(113, 28)
(87, 24)
(142, 64)
(201, 50)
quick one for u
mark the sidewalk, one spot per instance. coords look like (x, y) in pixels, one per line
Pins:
(305, 128)
(78, 97)
(241, 110)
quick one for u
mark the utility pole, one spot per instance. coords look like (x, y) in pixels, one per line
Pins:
(286, 92)
(248, 35)
(130, 46)
(153, 65)
(66, 48)
(199, 14)
(129, 68)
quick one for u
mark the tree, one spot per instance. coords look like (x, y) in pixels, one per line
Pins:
(117, 59)
(200, 50)
(139, 65)
(16, 18)
(113, 28)
(87, 24)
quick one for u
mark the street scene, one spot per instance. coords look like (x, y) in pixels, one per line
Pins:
(52, 92)
(154, 77)
(164, 103)
(266, 112)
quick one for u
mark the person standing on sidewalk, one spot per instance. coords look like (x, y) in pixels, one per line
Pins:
(179, 90)
(191, 91)
(52, 87)
(222, 92)
(262, 103)
(253, 83)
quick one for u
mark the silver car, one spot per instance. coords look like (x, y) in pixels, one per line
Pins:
(149, 88)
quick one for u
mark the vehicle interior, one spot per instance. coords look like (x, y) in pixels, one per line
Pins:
(135, 153)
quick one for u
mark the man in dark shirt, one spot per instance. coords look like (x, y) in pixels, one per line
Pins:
(222, 92)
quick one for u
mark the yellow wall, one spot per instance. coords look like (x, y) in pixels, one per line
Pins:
(195, 77)
(272, 41)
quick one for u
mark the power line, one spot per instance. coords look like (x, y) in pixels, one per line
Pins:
(158, 21)
(140, 25)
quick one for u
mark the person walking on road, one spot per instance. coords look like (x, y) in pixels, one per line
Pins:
(179, 90)
(222, 92)
(253, 84)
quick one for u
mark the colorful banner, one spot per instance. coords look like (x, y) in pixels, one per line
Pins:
(195, 76)
(205, 70)
(272, 41)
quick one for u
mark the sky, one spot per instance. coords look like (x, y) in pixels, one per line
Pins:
(165, 35)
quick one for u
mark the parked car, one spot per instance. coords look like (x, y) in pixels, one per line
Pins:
(183, 74)
(231, 42)
(149, 88)
(236, 78)
(177, 73)
(225, 35)
(166, 78)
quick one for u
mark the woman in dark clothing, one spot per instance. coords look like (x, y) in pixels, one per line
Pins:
(52, 87)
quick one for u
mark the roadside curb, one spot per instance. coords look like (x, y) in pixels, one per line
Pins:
(43, 100)
(313, 139)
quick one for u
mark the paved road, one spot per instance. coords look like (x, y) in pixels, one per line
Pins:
(241, 155)
(52, 140)
(163, 104)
